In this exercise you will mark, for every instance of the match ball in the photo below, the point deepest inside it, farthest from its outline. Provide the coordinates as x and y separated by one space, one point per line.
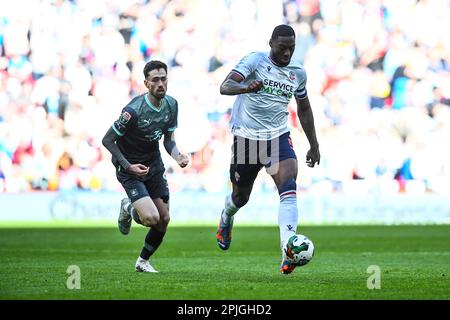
299 250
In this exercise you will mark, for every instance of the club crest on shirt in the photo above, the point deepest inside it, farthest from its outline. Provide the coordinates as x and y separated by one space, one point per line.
124 118
291 75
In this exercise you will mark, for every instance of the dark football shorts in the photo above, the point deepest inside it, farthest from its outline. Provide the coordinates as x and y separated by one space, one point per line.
153 185
249 156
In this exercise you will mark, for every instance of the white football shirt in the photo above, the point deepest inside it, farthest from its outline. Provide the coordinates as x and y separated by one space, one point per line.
264 115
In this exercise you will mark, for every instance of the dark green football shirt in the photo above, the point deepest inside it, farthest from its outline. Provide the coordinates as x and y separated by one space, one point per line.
141 125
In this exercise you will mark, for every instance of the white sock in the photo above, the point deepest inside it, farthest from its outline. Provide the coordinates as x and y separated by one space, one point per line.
287 217
230 209
141 260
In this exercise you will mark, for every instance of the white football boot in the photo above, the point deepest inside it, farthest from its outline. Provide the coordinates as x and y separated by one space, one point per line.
144 266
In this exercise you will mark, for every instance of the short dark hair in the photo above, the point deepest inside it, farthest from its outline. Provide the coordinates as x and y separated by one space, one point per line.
283 30
152 65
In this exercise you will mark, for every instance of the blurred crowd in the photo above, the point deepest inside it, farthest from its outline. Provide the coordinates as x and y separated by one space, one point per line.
378 81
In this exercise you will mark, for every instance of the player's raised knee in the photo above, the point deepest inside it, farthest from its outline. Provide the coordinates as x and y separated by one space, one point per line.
165 220
241 200
150 221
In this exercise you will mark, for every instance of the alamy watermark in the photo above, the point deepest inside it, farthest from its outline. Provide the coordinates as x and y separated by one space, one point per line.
263 152
374 280
74 279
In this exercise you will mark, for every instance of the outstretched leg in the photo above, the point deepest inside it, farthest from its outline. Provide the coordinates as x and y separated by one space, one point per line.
244 169
285 180
238 198
157 232
148 214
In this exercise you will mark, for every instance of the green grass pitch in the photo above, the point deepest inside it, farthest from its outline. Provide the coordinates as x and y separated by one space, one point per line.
414 263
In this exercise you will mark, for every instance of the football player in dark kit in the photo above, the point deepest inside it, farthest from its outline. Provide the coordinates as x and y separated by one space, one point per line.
133 141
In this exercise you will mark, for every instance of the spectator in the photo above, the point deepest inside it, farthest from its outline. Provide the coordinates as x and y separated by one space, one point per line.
378 81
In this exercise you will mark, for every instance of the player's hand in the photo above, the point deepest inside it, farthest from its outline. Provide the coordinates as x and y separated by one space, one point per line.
313 156
182 160
254 86
138 169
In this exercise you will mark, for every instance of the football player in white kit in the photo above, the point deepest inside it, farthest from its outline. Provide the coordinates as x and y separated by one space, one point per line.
264 83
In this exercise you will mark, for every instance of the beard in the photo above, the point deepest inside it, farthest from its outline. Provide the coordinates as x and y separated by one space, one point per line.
159 94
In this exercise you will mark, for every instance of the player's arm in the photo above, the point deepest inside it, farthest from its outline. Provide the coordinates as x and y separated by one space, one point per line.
171 147
109 141
233 85
305 115
118 129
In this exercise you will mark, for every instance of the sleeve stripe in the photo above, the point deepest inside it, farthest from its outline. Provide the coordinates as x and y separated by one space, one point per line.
117 131
301 94
171 129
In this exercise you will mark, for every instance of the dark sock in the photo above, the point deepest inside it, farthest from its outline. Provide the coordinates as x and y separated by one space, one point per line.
152 242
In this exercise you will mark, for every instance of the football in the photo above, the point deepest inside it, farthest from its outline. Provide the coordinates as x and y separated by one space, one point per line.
299 250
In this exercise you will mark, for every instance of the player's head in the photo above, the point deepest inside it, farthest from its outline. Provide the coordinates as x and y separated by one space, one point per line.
155 73
282 44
